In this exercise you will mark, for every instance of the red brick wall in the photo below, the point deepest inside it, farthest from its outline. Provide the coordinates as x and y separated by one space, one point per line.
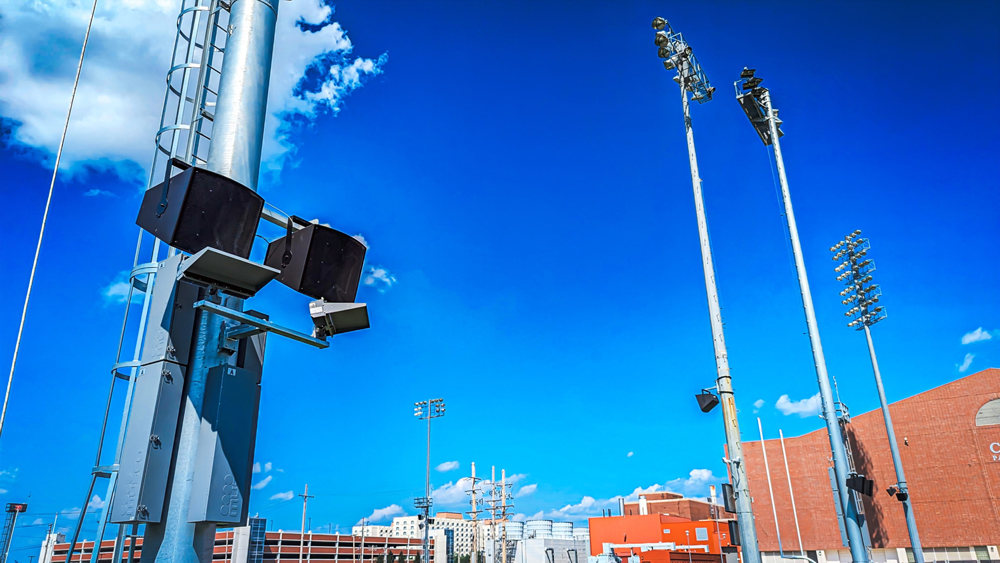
954 481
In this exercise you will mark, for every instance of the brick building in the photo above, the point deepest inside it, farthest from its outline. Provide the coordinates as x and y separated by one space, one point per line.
674 504
949 440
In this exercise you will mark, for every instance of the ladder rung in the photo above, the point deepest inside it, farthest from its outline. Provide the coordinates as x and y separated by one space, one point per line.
208 115
203 135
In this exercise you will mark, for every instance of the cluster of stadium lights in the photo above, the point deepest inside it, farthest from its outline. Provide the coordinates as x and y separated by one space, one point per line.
677 54
855 271
434 408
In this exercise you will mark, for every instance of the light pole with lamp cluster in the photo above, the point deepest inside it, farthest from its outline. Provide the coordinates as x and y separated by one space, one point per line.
427 410
862 297
756 103
677 55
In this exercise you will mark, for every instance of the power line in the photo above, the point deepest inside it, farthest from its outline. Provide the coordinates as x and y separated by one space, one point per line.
45 217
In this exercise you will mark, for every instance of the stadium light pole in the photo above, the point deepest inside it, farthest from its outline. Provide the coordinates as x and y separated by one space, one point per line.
756 103
427 410
862 296
677 55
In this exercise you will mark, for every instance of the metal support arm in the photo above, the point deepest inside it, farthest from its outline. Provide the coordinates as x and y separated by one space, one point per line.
252 325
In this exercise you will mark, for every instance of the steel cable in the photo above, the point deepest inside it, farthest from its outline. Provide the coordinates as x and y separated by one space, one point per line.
45 217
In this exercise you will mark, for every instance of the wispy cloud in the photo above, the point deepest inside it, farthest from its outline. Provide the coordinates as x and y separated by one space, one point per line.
94 192
116 292
95 503
447 466
313 70
256 467
526 490
965 363
757 404
804 407
287 495
977 335
263 483
452 492
380 278
383 514
630 454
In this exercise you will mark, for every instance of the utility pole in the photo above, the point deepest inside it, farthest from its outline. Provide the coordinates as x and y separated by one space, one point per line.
756 103
862 297
677 55
427 410
474 513
305 501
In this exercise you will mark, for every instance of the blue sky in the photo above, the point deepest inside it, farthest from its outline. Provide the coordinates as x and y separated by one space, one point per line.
519 170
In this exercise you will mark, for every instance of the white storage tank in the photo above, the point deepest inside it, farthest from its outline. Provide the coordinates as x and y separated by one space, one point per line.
562 530
538 529
581 534
515 530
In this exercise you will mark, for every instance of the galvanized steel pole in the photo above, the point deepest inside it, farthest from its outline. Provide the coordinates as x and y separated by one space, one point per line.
897 461
857 545
744 509
237 138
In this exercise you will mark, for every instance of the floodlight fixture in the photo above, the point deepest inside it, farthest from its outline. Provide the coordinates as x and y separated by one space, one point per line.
659 23
662 40
747 73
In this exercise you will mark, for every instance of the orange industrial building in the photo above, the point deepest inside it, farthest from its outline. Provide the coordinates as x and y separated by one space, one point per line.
661 538
949 441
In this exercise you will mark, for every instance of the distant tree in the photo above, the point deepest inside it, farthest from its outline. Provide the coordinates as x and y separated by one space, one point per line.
392 558
416 559
465 559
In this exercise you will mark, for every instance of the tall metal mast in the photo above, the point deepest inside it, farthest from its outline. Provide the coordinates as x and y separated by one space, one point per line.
427 410
677 55
756 102
862 296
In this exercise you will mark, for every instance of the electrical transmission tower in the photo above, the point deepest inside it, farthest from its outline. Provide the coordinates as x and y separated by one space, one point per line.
498 508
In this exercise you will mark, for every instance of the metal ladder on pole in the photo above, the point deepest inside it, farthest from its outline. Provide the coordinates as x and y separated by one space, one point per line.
184 135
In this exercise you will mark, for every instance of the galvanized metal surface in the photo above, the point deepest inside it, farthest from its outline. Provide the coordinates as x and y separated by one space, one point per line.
841 466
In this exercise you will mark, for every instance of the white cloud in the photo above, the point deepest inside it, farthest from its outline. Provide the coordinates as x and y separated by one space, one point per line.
452 492
511 479
977 335
382 514
757 404
256 467
965 363
447 466
360 238
630 454
95 503
380 278
696 483
526 490
37 522
116 292
121 89
804 407
3 491
287 495
70 513
263 483
267 467
96 192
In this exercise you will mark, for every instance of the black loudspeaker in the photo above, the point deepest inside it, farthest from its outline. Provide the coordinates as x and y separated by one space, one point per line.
198 209
728 498
734 532
706 401
318 261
